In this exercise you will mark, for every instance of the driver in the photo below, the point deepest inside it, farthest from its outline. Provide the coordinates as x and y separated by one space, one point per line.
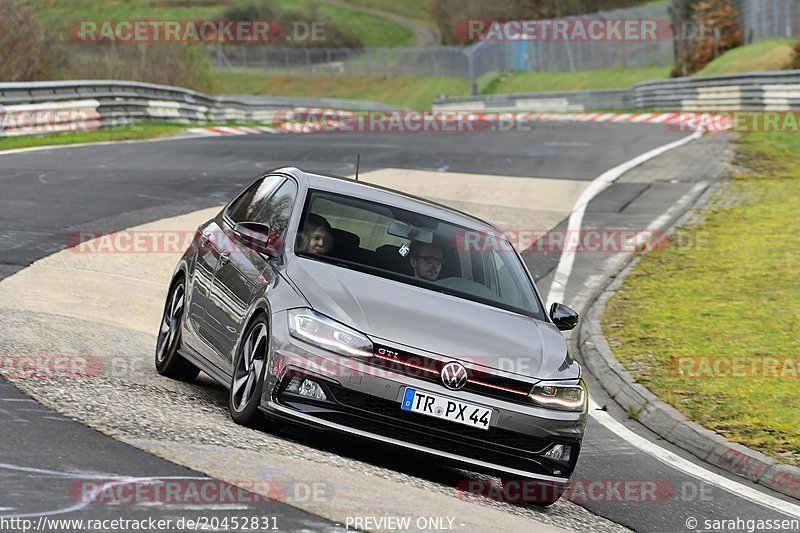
426 260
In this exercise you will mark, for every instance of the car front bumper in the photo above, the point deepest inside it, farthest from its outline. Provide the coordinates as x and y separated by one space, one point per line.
364 401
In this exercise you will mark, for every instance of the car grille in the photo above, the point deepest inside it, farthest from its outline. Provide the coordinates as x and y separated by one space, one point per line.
386 418
429 369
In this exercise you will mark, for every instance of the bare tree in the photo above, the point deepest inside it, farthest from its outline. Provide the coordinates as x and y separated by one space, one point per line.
26 54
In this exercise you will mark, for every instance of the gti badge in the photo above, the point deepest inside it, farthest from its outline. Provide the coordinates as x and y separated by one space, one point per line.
454 376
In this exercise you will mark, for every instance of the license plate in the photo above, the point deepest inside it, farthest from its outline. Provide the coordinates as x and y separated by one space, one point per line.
437 406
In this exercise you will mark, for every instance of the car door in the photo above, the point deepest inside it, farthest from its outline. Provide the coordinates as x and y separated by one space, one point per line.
200 283
242 271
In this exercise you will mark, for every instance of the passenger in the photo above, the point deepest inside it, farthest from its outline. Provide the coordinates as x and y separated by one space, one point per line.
319 237
426 260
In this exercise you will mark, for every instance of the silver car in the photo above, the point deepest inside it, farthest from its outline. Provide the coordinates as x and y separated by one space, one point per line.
348 307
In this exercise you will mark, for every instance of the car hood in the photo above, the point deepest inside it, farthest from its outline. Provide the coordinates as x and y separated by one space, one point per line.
414 317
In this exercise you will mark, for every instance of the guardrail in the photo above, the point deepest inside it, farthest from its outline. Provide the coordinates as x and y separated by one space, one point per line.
752 91
49 107
547 102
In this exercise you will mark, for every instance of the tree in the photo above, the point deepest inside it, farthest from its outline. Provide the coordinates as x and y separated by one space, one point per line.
702 30
682 15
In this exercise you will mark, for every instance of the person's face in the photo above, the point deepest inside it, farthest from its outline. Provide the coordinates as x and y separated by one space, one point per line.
320 241
428 263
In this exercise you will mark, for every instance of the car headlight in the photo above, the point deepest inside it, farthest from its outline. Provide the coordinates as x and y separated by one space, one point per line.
319 330
564 396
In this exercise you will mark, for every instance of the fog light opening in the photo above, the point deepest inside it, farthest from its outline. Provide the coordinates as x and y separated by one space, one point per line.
559 452
306 387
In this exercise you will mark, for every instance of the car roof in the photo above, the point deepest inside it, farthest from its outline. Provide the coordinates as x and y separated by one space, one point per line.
370 191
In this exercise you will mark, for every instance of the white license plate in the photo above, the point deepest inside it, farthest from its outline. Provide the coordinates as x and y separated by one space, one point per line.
429 404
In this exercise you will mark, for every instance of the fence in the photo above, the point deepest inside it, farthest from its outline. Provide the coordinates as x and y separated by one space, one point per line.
768 19
478 63
448 61
473 62
754 91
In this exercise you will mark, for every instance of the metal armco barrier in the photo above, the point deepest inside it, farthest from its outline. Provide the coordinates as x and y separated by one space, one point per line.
574 101
752 91
58 106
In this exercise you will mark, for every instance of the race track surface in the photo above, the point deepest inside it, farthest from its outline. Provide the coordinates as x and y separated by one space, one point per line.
50 194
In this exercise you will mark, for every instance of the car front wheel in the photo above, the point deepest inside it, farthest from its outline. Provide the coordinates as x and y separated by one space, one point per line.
169 362
248 375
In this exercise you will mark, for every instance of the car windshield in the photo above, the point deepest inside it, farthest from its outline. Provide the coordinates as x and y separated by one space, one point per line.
397 244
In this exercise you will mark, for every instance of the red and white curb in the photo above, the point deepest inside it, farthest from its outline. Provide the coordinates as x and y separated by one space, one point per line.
214 131
687 121
305 120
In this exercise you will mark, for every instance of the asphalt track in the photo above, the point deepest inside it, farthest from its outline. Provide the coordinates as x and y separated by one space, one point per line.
48 194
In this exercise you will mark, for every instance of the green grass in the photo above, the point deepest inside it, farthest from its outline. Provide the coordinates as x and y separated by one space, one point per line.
61 12
735 295
416 92
139 130
413 9
772 54
374 30
612 78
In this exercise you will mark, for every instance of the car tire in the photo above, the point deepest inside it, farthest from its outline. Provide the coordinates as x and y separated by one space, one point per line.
169 362
247 380
531 492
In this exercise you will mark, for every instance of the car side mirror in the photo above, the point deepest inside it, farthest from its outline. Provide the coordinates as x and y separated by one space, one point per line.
257 237
563 317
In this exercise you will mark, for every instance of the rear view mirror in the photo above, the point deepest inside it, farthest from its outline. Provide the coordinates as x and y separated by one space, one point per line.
563 317
412 233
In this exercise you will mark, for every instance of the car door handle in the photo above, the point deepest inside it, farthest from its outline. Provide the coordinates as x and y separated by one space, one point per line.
224 258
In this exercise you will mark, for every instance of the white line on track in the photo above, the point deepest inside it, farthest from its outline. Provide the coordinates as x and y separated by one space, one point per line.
557 293
598 185
679 463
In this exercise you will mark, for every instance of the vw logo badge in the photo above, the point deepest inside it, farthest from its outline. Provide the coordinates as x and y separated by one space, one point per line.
454 376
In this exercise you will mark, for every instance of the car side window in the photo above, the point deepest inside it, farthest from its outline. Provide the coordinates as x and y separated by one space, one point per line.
249 204
278 209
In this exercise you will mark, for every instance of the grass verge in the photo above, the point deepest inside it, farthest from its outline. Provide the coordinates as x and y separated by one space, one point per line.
416 92
772 54
610 78
140 130
413 9
712 328
374 30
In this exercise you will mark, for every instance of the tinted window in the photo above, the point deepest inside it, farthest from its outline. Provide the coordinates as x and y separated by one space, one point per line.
278 209
394 243
245 208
